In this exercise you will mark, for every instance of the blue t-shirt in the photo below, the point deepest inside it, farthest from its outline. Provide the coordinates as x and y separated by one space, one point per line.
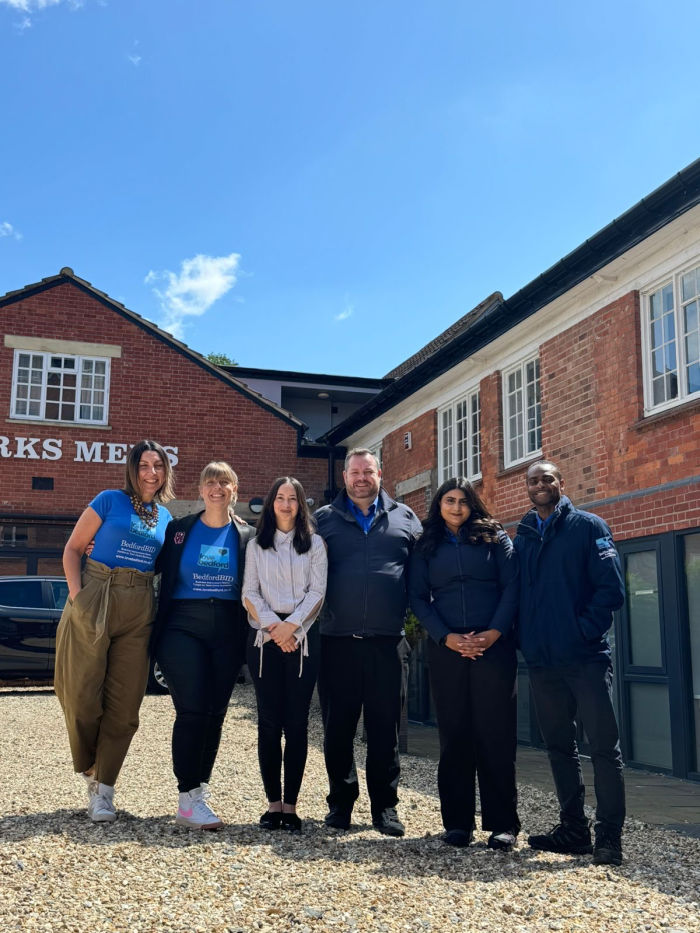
122 539
209 564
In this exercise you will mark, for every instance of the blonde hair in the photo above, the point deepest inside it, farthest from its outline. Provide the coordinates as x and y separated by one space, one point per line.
218 469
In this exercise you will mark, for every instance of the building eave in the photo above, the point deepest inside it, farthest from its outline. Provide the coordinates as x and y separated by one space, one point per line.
658 209
67 276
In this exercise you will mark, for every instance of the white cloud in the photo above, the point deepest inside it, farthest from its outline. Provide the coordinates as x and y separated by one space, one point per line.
36 6
134 56
345 313
6 229
201 281
31 6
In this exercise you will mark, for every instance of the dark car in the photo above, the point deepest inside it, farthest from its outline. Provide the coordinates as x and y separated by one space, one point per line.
30 609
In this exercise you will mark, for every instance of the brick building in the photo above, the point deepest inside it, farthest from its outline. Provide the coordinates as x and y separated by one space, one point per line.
81 378
596 365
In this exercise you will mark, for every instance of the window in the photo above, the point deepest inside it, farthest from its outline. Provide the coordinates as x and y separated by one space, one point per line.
21 594
60 387
59 588
459 426
522 413
672 341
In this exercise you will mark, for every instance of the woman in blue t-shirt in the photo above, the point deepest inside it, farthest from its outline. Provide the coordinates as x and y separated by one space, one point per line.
103 636
199 635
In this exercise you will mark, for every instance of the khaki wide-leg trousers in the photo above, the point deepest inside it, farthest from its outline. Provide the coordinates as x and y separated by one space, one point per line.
102 665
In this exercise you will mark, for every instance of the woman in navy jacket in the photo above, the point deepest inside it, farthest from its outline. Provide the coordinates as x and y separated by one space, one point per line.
463 589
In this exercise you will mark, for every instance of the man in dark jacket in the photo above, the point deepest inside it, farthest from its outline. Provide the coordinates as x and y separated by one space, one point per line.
363 652
570 583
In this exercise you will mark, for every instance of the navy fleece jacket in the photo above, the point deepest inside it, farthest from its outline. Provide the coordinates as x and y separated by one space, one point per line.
464 587
366 591
570 584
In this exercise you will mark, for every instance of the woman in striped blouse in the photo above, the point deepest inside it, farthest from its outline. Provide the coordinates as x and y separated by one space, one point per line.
283 590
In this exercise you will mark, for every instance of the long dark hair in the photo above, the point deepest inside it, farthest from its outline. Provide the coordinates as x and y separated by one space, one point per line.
303 524
479 527
131 481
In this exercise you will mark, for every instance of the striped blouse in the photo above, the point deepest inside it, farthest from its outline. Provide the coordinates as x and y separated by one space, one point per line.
278 580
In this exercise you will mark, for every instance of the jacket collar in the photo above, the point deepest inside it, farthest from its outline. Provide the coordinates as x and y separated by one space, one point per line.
529 519
385 504
187 522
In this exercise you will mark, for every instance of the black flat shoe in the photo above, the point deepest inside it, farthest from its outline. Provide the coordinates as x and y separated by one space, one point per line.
338 818
271 820
291 822
503 841
459 838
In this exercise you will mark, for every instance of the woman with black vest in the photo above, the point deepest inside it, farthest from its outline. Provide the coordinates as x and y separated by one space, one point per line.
463 589
199 636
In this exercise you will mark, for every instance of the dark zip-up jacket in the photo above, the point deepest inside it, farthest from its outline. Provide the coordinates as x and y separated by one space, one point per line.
366 592
463 587
168 565
570 584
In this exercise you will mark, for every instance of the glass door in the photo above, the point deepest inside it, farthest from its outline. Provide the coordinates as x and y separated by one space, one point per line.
645 711
691 571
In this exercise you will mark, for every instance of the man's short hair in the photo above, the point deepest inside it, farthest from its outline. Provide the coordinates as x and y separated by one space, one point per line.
360 452
549 463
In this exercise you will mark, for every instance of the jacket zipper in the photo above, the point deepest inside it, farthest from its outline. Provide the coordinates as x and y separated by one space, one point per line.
461 588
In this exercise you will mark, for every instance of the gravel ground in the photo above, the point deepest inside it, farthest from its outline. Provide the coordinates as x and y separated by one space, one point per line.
60 872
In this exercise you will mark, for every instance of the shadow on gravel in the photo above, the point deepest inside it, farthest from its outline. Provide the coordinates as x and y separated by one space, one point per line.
423 857
397 857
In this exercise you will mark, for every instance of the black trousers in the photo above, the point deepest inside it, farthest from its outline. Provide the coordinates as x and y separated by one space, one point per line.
562 694
475 702
283 699
369 674
200 656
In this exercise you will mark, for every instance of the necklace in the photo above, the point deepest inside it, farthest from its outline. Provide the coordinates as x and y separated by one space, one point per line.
148 516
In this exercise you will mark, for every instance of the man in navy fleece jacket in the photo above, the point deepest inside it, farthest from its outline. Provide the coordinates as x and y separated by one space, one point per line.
570 584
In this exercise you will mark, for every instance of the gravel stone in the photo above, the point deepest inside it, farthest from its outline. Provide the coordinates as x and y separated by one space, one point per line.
60 873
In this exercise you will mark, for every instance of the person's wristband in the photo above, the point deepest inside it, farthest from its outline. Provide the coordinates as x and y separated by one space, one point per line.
443 641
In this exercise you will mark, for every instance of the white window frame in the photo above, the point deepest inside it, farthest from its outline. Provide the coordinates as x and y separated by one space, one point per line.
518 406
460 411
673 283
45 358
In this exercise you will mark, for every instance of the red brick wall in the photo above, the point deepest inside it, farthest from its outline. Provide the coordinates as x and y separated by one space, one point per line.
400 464
155 392
592 426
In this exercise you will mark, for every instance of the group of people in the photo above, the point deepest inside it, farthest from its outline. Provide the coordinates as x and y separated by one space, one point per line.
231 594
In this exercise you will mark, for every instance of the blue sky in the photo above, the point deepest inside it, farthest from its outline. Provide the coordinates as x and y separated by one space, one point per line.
326 186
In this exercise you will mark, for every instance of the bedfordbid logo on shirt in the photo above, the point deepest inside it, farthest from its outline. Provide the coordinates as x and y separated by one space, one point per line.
211 556
139 529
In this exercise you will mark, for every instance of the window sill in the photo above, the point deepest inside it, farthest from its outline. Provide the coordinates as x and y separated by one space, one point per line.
683 408
60 424
516 467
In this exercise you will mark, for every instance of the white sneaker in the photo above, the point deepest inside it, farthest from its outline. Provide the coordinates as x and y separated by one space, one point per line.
194 811
101 803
